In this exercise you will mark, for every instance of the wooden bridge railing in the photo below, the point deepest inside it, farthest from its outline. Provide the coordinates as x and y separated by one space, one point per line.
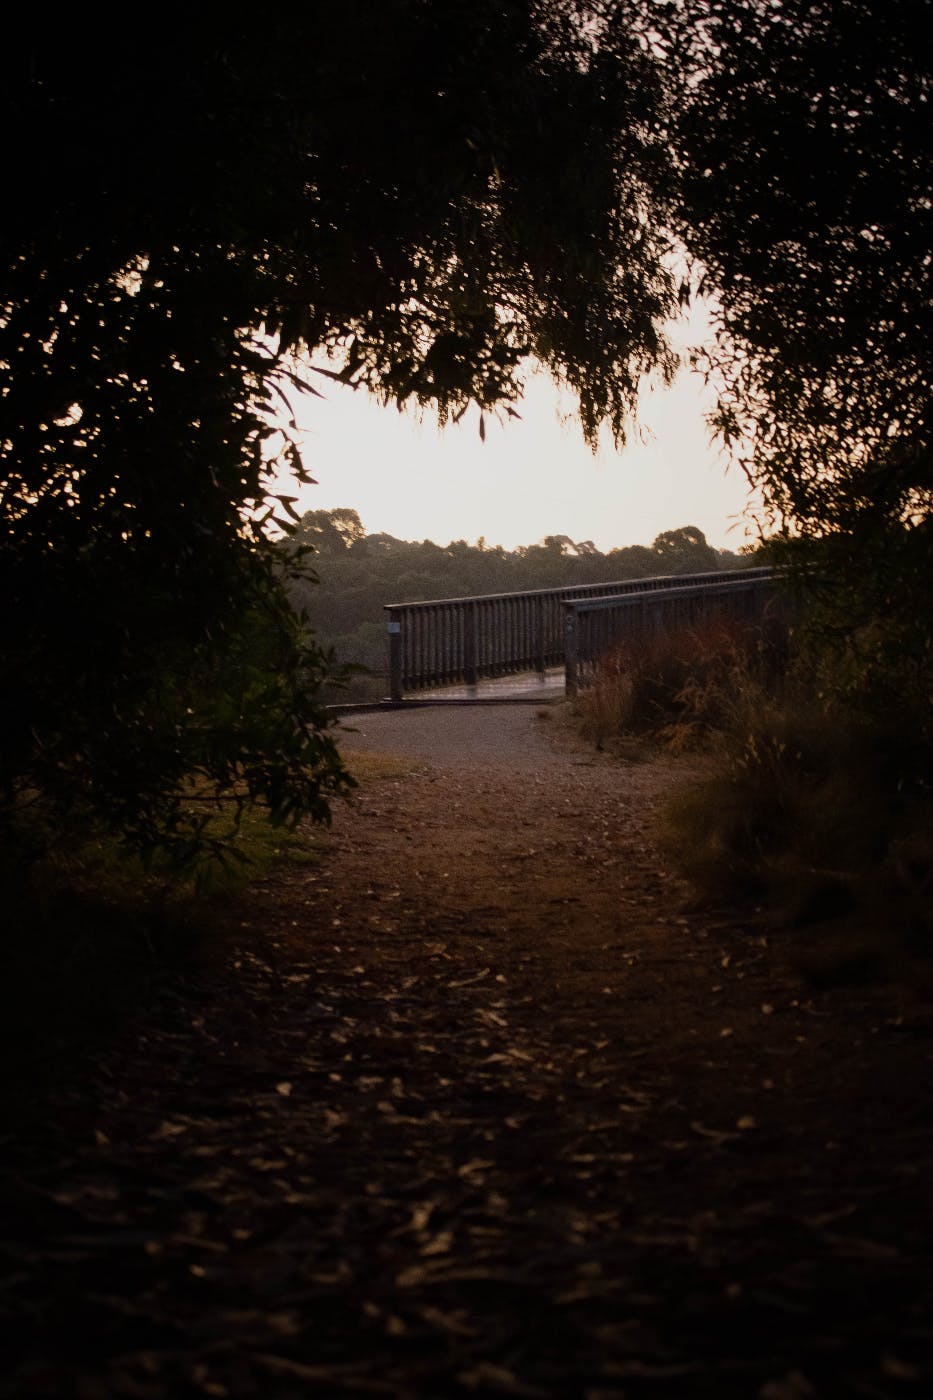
592 627
458 641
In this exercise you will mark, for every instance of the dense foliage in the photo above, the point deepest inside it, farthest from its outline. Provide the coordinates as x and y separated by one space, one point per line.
422 196
801 133
807 197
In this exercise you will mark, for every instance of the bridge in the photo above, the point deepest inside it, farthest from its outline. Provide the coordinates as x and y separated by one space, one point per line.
461 641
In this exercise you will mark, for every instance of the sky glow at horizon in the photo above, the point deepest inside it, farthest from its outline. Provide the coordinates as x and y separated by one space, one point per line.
531 477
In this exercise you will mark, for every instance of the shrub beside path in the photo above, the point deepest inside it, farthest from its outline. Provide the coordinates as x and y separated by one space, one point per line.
479 1105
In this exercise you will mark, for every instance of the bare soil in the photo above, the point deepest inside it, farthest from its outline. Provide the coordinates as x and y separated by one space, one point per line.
481 1104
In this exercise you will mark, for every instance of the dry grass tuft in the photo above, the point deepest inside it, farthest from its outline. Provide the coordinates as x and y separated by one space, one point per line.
678 687
821 816
823 821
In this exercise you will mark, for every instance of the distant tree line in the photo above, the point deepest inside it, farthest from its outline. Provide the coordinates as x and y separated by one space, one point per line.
359 573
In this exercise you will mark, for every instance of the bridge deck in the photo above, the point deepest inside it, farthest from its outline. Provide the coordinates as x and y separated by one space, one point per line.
530 686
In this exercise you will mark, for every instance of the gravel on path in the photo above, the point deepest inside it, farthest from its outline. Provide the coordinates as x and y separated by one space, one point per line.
511 736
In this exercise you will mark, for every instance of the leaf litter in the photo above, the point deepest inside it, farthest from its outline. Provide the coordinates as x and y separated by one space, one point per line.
437 1160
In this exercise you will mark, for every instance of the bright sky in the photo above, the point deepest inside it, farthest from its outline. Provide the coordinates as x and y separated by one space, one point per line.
530 478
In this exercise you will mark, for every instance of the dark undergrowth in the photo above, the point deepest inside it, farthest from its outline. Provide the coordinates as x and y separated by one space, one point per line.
817 812
92 932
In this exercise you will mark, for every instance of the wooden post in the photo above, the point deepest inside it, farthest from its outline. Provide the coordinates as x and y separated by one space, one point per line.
570 649
395 656
470 673
540 642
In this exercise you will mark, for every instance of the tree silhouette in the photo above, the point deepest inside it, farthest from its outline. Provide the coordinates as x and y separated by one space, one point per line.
684 551
420 196
806 185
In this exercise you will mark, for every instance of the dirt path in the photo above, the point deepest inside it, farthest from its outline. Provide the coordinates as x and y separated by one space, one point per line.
476 1106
